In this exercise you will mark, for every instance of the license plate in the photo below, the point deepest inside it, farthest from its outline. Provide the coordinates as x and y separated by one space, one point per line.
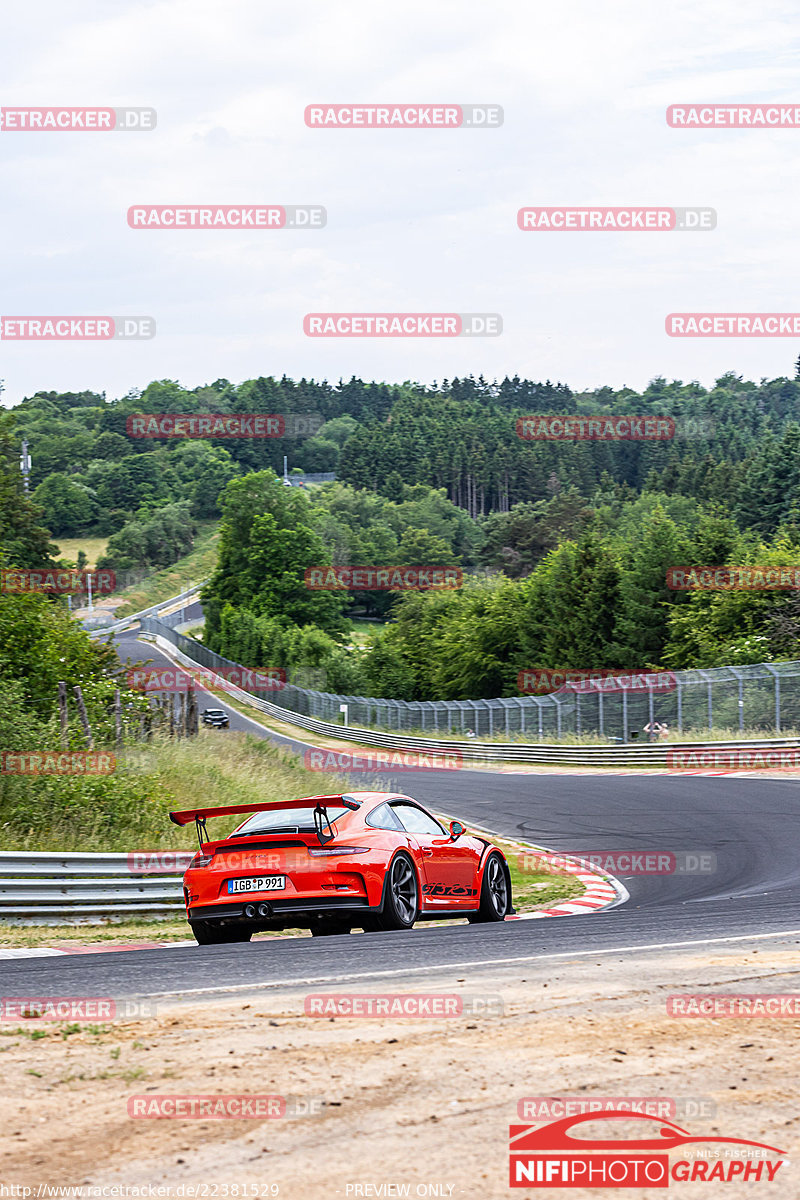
257 883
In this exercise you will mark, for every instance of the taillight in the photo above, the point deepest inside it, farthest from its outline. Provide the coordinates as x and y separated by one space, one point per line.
200 860
338 850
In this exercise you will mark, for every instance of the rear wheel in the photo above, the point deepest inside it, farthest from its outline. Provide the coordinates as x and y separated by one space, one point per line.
495 892
400 895
206 933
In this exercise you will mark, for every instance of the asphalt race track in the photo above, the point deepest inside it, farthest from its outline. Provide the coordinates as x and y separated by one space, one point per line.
750 825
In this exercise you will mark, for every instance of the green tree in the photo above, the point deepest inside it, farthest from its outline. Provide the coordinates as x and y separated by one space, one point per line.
69 507
24 541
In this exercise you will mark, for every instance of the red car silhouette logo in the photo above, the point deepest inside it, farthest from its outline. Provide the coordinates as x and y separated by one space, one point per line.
553 1156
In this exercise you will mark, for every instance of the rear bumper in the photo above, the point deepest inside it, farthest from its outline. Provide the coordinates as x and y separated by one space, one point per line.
279 911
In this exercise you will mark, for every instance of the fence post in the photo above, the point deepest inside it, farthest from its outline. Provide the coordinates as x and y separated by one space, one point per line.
87 729
777 679
624 714
118 717
62 712
710 708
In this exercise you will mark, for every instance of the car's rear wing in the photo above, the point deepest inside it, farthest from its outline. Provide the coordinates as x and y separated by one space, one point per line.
318 803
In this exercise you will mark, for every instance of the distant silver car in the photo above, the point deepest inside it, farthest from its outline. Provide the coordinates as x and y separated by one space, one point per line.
215 717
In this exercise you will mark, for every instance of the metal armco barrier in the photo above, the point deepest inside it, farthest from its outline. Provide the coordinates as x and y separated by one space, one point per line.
125 622
761 696
37 887
646 755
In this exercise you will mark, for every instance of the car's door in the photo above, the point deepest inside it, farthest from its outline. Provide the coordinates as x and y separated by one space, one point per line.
449 867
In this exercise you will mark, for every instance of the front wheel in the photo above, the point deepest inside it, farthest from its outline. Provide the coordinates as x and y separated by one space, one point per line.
206 933
495 892
400 895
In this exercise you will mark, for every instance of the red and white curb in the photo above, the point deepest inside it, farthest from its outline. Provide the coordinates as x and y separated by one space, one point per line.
600 891
98 948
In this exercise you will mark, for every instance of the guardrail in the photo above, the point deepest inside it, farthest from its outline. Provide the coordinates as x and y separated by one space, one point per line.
647 755
125 622
37 888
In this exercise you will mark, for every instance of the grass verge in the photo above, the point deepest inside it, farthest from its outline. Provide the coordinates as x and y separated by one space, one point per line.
161 585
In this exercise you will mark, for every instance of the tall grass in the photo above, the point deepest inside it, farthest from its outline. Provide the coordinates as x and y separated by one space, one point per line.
129 809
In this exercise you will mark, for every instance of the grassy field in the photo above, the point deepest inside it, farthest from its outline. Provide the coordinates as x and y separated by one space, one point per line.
213 768
363 631
93 548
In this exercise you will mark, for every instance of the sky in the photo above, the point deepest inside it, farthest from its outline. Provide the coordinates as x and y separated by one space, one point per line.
418 220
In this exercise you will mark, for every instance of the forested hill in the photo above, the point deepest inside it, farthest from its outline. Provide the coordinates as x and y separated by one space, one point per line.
566 545
459 435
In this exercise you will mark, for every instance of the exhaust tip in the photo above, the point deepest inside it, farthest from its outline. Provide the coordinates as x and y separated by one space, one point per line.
249 911
265 910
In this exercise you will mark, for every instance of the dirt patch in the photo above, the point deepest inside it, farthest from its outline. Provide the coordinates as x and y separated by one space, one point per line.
400 1100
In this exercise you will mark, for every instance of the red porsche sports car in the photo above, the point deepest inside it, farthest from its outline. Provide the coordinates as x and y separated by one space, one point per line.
368 860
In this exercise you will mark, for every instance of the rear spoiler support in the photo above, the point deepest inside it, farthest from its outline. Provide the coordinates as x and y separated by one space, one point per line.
202 832
320 815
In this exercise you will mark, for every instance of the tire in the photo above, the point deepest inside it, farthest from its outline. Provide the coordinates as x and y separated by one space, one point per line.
495 892
400 907
206 934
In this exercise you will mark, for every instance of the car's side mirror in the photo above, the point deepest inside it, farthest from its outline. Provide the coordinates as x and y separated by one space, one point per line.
456 830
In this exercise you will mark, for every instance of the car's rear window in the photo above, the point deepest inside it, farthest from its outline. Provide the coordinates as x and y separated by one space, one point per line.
286 820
